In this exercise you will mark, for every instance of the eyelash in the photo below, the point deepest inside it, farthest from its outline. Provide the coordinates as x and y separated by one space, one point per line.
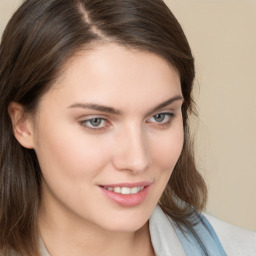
167 115
88 125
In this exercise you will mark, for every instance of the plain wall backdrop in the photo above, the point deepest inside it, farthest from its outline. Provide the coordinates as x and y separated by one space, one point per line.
222 35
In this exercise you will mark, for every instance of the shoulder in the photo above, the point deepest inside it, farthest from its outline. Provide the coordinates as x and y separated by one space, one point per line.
236 241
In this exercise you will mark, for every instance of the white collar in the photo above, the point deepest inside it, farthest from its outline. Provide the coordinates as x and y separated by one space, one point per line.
163 236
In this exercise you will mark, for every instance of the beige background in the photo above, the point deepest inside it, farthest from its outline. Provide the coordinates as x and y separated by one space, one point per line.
222 34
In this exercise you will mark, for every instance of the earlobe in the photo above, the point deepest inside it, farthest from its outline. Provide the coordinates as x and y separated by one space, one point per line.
22 125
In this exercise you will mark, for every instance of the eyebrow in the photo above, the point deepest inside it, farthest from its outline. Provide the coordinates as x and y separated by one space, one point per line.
166 103
111 110
97 107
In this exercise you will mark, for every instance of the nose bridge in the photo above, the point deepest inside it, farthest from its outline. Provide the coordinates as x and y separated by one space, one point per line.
132 152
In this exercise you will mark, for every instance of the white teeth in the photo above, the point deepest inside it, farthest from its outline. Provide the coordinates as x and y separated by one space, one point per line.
135 190
117 190
125 190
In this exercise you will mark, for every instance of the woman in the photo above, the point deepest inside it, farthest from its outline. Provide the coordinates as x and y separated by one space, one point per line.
95 150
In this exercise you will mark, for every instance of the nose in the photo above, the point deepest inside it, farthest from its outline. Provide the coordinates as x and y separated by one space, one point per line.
131 151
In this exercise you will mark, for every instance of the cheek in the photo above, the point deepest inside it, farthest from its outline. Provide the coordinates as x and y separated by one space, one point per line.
64 152
166 149
165 152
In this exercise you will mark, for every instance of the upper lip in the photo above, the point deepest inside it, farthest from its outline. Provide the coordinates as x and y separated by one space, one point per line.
128 184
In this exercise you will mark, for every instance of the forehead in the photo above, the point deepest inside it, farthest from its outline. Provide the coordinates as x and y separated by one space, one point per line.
117 75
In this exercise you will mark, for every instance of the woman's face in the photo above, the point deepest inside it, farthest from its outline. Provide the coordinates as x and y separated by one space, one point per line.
107 136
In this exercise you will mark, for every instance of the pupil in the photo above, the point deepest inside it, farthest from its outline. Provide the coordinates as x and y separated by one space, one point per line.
159 117
96 121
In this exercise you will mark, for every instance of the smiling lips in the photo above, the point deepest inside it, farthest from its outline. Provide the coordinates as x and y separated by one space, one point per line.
126 194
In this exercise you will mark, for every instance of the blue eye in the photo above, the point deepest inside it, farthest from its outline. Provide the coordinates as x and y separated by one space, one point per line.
161 118
94 123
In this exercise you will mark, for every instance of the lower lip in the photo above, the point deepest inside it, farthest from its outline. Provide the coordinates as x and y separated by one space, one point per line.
127 200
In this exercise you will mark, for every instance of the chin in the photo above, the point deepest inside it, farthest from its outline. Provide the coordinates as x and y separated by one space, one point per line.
126 222
127 227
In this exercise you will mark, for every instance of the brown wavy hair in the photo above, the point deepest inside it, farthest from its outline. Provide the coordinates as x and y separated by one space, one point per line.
39 39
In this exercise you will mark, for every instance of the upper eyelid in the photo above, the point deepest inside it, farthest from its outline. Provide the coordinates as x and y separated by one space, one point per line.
167 111
171 112
103 117
175 106
96 117
106 118
92 116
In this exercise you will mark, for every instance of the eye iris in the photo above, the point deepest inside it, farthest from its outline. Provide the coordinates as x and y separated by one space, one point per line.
95 122
159 117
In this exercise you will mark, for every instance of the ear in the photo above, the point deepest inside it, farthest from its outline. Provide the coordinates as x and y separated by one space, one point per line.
22 125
